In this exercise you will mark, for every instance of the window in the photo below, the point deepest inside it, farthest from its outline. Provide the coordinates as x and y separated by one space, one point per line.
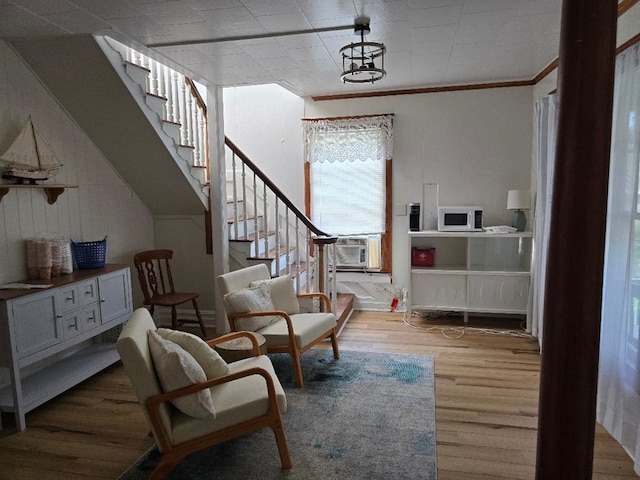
348 166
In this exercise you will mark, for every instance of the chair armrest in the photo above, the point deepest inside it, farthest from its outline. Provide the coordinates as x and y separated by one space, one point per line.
153 403
323 296
255 348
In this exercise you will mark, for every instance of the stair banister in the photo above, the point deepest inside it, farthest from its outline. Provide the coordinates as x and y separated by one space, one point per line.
274 188
318 237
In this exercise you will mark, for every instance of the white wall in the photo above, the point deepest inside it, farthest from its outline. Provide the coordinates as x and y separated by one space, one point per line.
476 145
264 122
103 204
191 267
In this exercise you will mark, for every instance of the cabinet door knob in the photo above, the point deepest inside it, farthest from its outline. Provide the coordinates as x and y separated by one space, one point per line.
102 300
73 325
58 316
69 299
89 318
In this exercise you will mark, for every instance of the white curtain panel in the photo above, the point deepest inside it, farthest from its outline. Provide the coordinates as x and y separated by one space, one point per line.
544 151
347 160
619 372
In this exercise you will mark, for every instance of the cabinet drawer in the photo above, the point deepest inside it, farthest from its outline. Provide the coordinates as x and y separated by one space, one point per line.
508 293
71 325
90 317
439 291
68 298
88 292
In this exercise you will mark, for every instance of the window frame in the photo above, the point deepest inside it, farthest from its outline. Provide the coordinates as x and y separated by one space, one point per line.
386 236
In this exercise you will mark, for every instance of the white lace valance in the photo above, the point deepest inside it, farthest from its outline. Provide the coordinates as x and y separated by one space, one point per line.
348 139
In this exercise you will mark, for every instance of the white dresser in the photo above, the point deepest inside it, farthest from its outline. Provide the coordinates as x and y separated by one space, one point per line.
52 339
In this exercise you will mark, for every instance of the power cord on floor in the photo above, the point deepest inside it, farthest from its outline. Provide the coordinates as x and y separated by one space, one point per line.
454 333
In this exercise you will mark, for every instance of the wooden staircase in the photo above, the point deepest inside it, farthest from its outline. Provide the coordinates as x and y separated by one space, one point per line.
265 227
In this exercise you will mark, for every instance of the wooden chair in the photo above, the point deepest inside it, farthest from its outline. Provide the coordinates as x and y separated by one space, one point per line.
156 281
247 399
292 333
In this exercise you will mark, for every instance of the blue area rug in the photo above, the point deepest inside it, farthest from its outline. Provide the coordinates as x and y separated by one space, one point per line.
365 416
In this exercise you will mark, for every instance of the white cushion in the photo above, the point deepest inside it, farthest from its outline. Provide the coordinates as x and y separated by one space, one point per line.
254 299
176 369
307 327
211 362
236 401
282 292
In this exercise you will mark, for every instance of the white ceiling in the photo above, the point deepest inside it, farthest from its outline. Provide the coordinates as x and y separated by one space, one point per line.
429 42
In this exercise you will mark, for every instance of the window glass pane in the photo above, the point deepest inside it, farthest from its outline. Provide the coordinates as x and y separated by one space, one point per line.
348 198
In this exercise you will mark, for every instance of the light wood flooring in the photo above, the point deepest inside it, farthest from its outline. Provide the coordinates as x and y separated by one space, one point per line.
486 409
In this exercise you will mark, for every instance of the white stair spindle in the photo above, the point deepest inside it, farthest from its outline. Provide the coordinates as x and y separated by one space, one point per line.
161 84
166 74
153 77
175 95
287 240
276 229
256 241
202 135
184 118
265 221
245 221
196 137
191 116
234 186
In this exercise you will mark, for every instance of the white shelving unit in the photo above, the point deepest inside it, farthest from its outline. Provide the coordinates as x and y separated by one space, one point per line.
472 272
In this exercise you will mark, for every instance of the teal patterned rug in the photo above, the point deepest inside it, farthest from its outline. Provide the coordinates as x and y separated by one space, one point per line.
366 416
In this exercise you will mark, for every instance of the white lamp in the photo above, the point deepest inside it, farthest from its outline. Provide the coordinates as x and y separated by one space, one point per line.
519 200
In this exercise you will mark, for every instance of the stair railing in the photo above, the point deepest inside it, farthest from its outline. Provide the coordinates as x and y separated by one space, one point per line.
255 200
184 105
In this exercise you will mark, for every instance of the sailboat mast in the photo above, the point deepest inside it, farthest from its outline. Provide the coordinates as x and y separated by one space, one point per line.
33 133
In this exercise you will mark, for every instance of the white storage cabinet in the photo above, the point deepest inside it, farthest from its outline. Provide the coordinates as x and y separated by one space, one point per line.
472 272
51 339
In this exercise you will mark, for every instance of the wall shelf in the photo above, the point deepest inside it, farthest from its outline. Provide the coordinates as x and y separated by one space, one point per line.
52 191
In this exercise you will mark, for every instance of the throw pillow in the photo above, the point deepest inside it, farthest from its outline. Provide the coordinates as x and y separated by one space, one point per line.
253 299
282 292
176 369
211 362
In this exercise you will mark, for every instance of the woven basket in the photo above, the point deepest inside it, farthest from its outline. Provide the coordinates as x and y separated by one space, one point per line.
90 254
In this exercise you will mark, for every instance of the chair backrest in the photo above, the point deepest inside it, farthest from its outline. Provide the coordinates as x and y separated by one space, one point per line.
238 279
154 272
133 347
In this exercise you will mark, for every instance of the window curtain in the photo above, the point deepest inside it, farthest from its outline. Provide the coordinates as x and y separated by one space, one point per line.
347 158
544 152
618 404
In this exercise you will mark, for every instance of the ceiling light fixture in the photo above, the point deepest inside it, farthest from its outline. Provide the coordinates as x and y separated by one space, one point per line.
359 58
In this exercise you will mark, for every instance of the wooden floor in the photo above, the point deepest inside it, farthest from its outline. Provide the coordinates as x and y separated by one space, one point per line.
486 407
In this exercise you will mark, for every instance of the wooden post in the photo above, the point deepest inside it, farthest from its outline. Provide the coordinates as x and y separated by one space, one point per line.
566 424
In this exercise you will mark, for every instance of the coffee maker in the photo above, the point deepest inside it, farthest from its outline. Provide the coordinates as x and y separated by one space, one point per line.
414 217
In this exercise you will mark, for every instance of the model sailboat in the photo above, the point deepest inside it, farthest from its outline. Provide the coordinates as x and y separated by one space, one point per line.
29 158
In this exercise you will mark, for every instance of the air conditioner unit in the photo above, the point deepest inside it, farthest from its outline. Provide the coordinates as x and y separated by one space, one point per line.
350 255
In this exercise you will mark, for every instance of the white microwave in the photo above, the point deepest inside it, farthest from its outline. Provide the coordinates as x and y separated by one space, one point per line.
460 219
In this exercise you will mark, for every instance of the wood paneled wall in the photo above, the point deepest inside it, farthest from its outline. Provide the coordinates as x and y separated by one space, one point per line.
103 204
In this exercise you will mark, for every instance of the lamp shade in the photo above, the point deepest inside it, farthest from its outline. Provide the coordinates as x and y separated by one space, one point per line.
519 200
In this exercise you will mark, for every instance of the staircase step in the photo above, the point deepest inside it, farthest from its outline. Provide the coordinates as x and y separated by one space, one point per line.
137 73
261 235
172 129
156 103
344 309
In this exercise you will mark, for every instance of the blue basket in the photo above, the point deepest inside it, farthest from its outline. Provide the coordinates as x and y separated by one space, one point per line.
90 254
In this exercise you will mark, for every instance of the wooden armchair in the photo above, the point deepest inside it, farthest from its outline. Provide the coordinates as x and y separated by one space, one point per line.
241 407
283 324
156 282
